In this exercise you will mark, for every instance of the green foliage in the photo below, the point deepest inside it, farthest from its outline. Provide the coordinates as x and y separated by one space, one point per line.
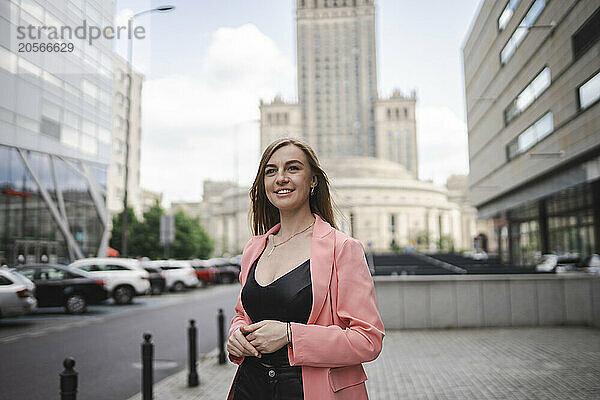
445 243
147 236
116 238
191 240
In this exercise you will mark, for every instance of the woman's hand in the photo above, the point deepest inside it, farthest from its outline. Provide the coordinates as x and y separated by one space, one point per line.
238 345
266 336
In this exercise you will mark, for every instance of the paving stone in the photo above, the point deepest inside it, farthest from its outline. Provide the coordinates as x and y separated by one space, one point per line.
455 364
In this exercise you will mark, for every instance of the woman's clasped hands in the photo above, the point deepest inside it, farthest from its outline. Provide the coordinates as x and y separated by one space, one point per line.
263 337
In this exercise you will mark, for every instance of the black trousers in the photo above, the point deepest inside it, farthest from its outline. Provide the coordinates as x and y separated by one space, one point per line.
255 381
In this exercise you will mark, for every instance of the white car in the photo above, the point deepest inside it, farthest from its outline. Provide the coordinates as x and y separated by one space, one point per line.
547 263
15 297
123 277
178 274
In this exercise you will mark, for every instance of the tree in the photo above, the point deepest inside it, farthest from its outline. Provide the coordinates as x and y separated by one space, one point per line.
116 239
191 241
147 235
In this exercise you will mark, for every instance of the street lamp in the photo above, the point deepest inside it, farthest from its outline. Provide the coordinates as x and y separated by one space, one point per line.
125 221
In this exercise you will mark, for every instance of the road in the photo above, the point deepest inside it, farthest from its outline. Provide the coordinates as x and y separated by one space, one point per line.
105 344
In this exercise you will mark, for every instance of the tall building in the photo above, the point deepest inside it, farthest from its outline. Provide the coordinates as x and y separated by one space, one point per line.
55 135
532 86
121 118
367 144
338 110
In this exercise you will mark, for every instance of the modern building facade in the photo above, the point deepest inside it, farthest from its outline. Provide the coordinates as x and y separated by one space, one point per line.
532 83
121 118
55 136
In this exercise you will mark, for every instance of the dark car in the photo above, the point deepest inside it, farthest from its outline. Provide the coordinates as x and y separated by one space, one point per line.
156 278
58 285
227 272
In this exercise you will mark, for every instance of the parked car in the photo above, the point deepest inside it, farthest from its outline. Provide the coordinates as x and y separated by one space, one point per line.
15 297
156 277
61 286
179 275
590 264
124 277
228 273
564 262
547 263
477 254
204 272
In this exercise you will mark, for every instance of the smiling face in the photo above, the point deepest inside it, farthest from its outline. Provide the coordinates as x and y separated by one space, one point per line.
288 178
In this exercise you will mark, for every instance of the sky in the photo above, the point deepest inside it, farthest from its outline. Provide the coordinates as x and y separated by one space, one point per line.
207 64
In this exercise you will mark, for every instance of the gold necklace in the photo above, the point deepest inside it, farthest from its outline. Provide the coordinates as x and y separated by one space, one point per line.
288 239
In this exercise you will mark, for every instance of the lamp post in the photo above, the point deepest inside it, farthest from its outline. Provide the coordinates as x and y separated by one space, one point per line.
125 219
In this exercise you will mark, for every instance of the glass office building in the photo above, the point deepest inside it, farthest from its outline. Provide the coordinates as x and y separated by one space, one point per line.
55 134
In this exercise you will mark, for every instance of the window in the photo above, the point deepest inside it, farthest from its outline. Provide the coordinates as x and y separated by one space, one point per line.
88 144
587 35
112 267
4 281
8 60
90 268
28 273
51 111
589 92
69 136
539 84
53 274
530 136
521 31
507 13
104 135
71 119
50 128
89 89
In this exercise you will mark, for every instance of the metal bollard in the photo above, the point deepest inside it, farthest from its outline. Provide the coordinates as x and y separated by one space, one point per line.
193 374
147 367
68 380
221 323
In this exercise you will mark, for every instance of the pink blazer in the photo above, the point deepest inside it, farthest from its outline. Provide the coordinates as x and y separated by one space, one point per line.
344 328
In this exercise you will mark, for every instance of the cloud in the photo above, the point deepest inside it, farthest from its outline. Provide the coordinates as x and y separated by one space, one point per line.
190 121
442 143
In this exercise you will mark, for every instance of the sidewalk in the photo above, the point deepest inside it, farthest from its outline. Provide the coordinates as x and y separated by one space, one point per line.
491 363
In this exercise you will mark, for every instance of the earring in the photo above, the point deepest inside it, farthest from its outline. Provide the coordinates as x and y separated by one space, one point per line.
312 190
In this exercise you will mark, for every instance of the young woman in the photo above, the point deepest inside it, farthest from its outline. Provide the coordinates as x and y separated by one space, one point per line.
307 315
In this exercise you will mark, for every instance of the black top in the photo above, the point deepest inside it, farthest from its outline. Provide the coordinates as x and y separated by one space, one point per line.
287 299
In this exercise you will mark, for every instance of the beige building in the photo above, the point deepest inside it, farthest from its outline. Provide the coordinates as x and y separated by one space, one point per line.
367 144
149 199
532 86
116 170
382 205
223 212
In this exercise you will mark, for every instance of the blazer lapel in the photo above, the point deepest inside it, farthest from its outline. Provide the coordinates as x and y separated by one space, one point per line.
256 248
321 263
